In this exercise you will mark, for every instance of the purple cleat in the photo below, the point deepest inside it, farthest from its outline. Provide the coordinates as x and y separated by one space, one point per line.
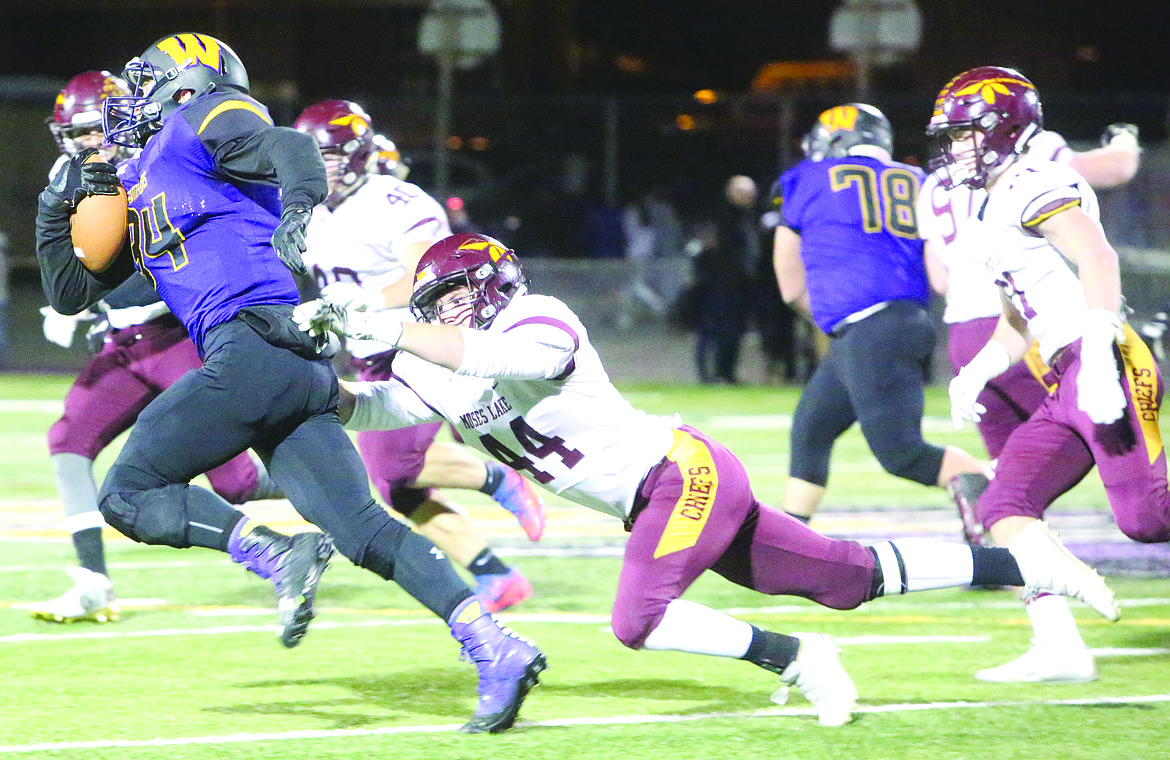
517 495
294 565
508 665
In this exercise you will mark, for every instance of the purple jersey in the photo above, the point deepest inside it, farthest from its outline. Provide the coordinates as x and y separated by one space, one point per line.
858 233
201 234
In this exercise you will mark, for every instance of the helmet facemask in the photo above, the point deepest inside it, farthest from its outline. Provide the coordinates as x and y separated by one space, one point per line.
487 273
173 65
990 114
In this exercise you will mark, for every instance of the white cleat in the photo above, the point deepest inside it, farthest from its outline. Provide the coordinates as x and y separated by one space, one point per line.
91 599
1049 567
817 672
1045 663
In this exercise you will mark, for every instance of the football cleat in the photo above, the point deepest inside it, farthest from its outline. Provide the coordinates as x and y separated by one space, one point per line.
817 672
508 666
965 489
517 495
90 599
1048 566
499 592
294 565
1045 663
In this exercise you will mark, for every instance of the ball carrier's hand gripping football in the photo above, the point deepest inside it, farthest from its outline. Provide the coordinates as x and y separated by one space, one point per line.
88 189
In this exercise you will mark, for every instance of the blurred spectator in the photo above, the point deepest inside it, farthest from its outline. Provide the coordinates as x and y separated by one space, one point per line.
724 271
3 300
458 217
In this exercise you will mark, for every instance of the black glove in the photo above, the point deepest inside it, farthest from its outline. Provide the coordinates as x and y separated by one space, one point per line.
76 180
289 238
1113 130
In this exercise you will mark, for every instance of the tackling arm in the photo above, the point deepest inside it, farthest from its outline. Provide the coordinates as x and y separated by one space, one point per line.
1114 163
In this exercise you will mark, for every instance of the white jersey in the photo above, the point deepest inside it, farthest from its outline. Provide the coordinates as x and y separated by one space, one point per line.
947 219
1039 281
359 241
557 419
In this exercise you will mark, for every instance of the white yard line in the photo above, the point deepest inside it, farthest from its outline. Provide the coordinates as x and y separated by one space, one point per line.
789 712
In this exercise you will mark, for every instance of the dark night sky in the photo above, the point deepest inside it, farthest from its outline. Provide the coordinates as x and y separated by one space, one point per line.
684 44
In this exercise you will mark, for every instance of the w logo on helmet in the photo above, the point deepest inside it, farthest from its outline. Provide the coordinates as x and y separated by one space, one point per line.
189 48
354 121
840 117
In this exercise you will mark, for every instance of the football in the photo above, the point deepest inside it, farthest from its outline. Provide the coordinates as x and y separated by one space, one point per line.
98 227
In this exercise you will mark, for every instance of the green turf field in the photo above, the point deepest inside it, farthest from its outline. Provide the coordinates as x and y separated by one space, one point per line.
193 669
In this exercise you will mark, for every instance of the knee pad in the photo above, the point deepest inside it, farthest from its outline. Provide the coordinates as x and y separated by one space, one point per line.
157 516
405 500
919 461
810 464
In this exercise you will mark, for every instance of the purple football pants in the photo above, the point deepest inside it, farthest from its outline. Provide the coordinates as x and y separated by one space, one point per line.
394 458
1059 444
695 511
1010 398
134 366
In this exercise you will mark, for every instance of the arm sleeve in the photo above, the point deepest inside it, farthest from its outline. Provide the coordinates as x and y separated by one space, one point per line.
387 405
69 286
534 352
246 146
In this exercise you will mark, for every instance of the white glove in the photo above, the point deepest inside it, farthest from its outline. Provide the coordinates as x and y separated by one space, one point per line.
1099 392
60 328
991 361
320 317
354 296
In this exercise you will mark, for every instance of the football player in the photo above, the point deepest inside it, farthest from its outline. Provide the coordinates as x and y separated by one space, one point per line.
955 245
518 376
141 350
219 201
362 246
847 255
1038 216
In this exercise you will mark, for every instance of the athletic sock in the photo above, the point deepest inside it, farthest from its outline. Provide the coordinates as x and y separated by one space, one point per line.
803 518
771 651
487 563
994 566
90 553
496 473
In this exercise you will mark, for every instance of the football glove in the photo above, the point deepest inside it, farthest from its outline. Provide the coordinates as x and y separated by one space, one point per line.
77 180
991 361
1099 392
289 238
321 317
60 328
1120 131
353 296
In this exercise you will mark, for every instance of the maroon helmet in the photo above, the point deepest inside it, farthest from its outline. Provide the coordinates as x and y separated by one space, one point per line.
486 267
345 136
1000 104
78 110
387 160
